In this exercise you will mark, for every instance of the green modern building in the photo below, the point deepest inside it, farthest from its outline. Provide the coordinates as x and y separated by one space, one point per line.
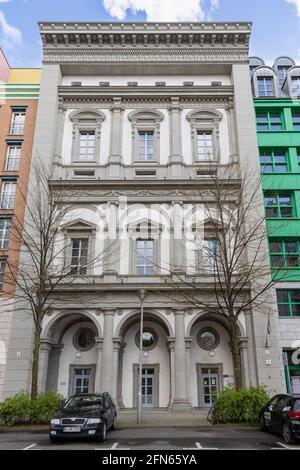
276 93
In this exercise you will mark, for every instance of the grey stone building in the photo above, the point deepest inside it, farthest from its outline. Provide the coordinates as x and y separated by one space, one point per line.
128 115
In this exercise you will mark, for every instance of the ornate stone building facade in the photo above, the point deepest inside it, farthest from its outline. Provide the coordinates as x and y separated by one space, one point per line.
133 119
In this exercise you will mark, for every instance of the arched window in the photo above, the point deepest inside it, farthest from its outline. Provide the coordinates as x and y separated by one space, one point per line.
145 135
86 135
205 135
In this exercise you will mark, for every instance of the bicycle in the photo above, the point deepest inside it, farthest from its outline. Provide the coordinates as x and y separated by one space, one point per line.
212 415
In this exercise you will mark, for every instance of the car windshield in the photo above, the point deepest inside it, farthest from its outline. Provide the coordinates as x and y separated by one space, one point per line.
83 403
297 405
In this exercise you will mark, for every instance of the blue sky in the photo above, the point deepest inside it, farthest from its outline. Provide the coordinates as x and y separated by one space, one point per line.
276 23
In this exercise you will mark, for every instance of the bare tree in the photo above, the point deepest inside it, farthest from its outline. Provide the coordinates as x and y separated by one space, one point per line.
37 267
233 256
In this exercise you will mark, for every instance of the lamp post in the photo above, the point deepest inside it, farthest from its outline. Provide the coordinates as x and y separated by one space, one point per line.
142 295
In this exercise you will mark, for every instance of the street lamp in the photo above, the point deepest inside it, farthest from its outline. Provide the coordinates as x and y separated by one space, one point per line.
142 295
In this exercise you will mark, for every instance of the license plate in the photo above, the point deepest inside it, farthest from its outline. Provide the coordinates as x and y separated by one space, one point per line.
72 429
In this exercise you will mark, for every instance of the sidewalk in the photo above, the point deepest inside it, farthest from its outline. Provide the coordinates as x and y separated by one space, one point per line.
162 419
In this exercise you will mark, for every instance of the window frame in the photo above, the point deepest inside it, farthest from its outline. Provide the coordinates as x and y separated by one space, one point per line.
6 232
280 206
9 206
284 253
146 133
273 154
289 302
296 122
294 79
145 265
264 81
19 126
206 120
79 269
10 146
86 120
145 120
268 121
86 147
3 263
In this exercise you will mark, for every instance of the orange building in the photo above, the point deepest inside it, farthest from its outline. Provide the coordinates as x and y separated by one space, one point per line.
19 92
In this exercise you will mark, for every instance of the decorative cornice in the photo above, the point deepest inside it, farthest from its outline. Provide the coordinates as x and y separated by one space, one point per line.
193 55
144 35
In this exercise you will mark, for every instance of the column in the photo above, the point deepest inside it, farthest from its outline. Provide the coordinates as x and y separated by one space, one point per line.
115 157
177 261
232 133
107 352
252 365
244 361
57 161
188 345
116 354
111 246
120 402
171 344
45 349
99 346
53 368
181 402
176 159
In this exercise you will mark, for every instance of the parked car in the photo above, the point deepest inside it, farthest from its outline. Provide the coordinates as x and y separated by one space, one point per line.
282 415
86 415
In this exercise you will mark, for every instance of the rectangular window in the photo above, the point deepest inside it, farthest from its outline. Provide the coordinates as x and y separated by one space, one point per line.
265 86
274 161
8 195
87 146
282 72
269 121
204 146
79 255
284 253
2 270
296 86
146 146
13 158
144 256
296 121
209 254
17 122
5 226
279 205
288 302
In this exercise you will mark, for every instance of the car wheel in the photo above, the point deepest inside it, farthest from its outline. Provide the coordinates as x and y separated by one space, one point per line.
102 435
262 424
287 434
114 424
53 440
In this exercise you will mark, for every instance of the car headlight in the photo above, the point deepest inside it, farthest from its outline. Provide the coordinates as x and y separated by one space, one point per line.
55 422
94 421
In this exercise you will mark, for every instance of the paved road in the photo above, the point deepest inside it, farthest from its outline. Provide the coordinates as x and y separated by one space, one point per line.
153 439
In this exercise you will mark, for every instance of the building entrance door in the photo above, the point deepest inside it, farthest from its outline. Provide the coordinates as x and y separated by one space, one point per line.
82 381
148 387
210 386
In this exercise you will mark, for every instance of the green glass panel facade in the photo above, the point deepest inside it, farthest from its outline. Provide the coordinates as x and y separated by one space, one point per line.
278 134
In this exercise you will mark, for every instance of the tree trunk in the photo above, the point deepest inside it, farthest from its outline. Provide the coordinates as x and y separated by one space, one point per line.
236 357
35 363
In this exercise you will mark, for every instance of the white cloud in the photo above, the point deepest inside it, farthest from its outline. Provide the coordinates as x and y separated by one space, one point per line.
9 35
296 3
162 10
4 1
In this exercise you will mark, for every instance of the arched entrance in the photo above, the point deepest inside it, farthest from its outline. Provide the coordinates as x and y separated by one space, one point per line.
156 389
69 355
211 359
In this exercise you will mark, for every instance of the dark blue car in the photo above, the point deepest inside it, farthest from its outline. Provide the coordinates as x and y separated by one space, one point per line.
84 416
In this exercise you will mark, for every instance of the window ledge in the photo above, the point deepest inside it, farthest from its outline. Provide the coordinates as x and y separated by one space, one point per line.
84 163
145 162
